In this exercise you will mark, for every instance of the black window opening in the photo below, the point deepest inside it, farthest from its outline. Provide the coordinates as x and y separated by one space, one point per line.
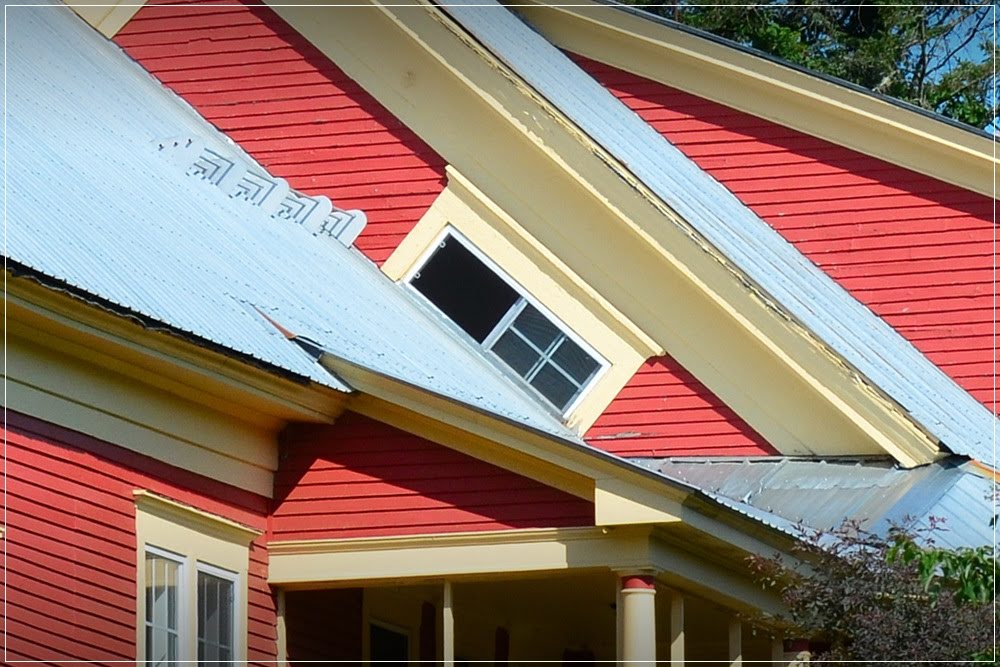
496 316
387 646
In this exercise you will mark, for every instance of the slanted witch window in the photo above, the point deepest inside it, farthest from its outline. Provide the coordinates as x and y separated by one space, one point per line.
486 306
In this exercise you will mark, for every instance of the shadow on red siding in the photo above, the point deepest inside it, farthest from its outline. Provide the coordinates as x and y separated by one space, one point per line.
666 411
363 478
324 626
917 251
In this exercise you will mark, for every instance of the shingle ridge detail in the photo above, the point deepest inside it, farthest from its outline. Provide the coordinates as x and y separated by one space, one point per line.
241 181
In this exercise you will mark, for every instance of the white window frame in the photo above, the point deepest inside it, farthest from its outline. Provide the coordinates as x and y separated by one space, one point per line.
199 542
182 565
505 322
232 577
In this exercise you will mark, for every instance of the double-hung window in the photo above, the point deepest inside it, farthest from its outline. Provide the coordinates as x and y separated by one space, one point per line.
173 605
497 315
192 578
163 606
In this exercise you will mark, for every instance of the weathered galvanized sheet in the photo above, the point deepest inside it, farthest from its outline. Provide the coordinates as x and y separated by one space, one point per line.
824 494
864 340
96 202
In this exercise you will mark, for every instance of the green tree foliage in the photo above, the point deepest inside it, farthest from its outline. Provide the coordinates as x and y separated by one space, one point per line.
937 57
899 599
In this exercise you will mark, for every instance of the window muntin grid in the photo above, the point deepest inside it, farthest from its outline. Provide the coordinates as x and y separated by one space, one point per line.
457 280
164 577
216 606
542 354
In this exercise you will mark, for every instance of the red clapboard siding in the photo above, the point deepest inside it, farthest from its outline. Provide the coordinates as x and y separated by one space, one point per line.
70 543
665 411
917 251
363 478
293 110
324 626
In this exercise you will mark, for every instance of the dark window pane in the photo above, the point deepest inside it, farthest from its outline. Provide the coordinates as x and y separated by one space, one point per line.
215 619
554 386
389 646
536 327
465 289
519 355
571 358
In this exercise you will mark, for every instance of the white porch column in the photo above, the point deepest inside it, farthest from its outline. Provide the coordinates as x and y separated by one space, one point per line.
637 614
448 627
735 642
676 629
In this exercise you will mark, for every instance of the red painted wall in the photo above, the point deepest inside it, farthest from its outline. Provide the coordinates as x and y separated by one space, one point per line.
293 110
70 543
361 478
665 411
917 251
324 626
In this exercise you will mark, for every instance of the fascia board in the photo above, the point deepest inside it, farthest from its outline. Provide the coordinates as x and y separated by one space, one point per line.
165 361
810 104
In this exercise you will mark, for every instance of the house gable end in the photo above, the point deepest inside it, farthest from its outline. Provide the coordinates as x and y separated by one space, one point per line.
292 109
918 252
363 478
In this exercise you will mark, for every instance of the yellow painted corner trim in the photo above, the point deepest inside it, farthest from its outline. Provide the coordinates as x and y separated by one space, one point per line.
615 504
769 90
180 513
107 16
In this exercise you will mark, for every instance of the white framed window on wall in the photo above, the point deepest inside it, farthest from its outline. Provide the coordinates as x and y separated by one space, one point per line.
192 580
503 320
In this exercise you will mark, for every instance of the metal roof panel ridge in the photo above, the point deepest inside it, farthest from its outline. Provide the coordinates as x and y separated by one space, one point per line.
878 352
95 204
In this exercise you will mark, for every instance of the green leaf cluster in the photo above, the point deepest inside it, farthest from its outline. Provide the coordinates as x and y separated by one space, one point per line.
938 57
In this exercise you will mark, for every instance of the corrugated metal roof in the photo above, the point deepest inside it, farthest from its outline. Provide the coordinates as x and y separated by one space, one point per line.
95 203
860 337
824 494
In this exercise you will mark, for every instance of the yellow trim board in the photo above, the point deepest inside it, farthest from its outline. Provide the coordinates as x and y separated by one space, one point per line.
454 555
806 103
509 554
108 17
730 334
101 403
163 361
177 512
569 467
426 418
